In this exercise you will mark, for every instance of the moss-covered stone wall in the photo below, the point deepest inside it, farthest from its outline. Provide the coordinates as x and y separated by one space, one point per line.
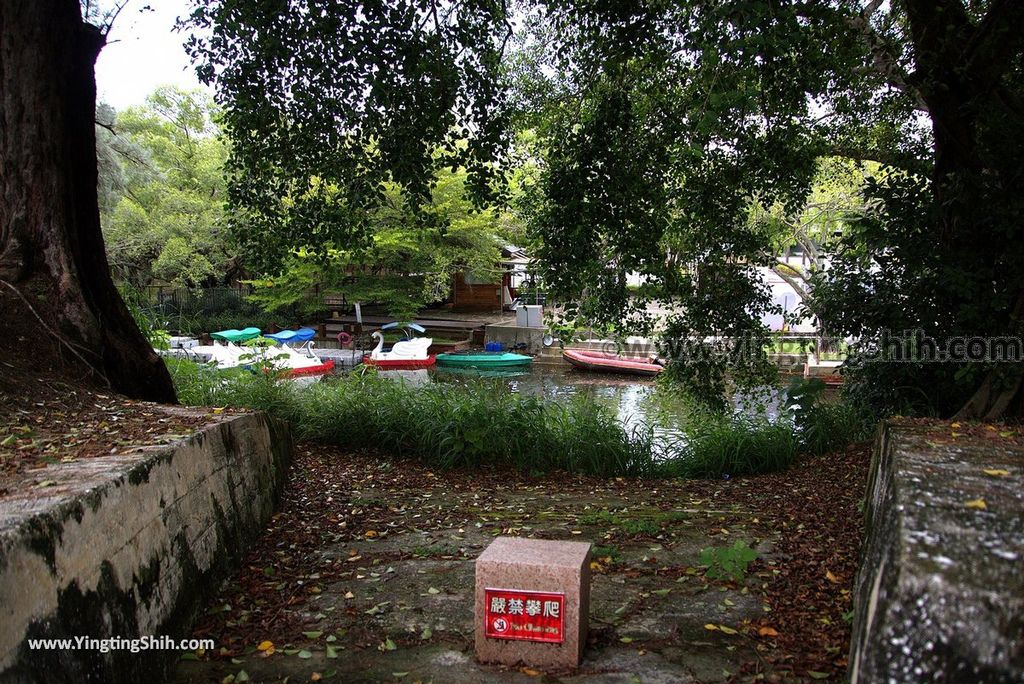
940 592
131 544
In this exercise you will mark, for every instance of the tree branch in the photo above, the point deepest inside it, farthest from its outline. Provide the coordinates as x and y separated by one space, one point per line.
893 158
998 37
785 271
884 61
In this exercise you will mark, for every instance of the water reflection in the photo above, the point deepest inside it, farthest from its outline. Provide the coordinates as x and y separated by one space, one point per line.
411 378
635 401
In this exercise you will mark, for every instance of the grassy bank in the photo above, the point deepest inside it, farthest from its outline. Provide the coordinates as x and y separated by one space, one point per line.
449 426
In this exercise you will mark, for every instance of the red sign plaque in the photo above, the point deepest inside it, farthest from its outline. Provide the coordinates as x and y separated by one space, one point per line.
524 615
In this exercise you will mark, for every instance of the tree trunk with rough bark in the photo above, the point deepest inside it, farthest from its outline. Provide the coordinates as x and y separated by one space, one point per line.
959 68
52 257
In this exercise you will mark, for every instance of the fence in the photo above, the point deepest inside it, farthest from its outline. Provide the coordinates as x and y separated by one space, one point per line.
195 311
205 301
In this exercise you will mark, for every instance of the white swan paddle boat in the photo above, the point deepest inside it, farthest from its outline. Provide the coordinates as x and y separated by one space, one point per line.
282 357
409 354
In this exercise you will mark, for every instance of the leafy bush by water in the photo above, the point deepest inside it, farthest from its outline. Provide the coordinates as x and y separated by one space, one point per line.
475 424
724 446
823 426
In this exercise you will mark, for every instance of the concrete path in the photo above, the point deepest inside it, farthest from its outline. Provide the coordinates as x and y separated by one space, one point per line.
395 602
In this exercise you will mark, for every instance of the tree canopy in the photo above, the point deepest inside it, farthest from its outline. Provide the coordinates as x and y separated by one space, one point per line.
411 261
659 126
325 103
162 192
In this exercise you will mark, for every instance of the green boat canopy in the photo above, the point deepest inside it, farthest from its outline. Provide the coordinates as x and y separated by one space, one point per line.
236 335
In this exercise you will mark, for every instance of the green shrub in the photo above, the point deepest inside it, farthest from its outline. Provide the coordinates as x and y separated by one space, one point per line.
473 424
446 425
728 562
144 316
823 426
715 446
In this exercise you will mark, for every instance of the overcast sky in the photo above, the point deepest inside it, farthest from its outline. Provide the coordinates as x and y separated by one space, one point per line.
147 53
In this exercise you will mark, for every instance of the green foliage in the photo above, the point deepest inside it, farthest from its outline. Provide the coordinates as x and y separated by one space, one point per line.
410 262
716 445
455 425
162 191
610 552
902 292
728 562
825 426
325 104
632 522
662 126
835 204
445 425
657 127
654 154
150 324
803 396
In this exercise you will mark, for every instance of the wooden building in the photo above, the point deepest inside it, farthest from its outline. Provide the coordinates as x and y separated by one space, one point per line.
493 291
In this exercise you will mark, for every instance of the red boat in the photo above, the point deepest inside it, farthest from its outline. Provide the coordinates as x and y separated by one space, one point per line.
325 367
400 364
610 363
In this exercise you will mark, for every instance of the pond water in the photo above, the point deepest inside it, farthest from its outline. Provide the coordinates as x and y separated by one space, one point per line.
635 401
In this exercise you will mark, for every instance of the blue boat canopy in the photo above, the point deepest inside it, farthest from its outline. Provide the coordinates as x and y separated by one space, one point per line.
291 336
396 324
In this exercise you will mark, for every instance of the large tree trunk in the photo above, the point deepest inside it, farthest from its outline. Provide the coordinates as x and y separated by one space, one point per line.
51 246
960 64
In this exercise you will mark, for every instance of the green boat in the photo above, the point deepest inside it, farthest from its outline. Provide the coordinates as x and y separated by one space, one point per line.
477 359
499 372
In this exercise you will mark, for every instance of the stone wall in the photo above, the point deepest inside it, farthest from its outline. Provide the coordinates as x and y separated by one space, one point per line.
940 592
131 544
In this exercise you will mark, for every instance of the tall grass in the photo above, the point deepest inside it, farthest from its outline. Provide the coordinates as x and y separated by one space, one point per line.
446 425
722 446
475 424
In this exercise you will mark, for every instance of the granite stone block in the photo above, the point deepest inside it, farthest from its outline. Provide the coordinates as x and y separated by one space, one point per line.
540 569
